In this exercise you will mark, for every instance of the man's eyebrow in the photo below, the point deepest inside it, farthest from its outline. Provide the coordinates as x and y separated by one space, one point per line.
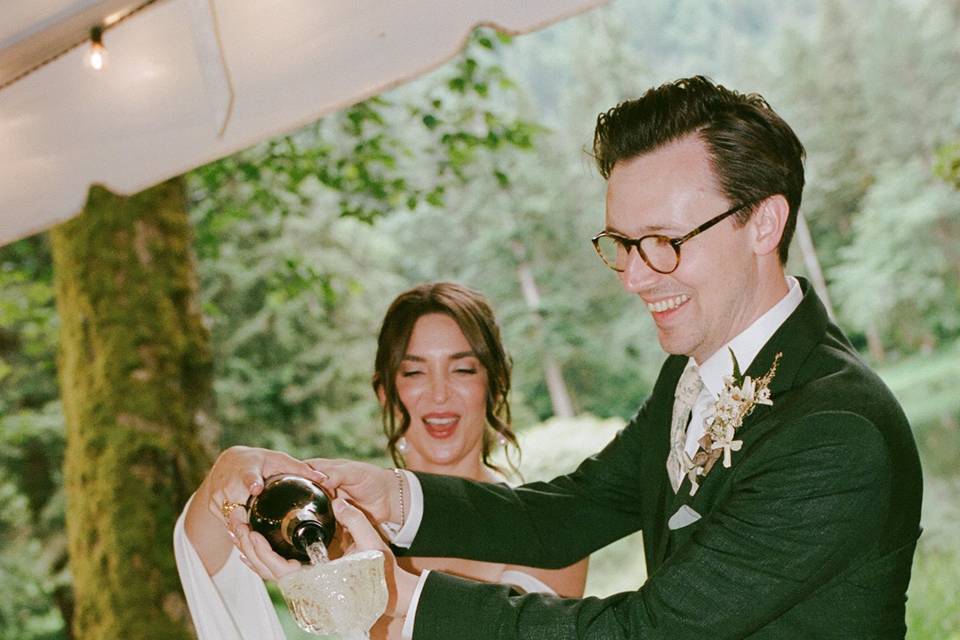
647 230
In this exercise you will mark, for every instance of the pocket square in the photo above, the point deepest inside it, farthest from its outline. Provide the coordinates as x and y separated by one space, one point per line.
683 517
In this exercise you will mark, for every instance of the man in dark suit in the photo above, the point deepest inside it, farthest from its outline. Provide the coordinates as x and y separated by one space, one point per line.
774 476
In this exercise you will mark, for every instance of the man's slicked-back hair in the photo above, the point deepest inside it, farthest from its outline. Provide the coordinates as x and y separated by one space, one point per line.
753 152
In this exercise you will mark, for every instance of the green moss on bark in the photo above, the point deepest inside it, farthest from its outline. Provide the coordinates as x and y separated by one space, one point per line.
135 374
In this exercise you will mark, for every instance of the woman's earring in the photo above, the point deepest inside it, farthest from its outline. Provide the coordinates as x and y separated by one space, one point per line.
402 445
501 439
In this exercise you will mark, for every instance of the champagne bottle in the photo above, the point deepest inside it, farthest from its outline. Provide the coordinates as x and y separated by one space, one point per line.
295 516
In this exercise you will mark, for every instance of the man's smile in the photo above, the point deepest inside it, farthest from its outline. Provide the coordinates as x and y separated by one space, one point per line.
667 304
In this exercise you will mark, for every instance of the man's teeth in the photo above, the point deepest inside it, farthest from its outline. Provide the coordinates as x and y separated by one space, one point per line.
665 305
440 422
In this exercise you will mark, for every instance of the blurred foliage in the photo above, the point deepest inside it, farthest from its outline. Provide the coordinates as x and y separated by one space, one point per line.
907 290
885 227
33 580
28 326
948 164
483 166
932 612
925 383
33 556
852 85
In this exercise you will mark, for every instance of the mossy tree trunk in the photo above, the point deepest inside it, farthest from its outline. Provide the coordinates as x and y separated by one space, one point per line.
135 374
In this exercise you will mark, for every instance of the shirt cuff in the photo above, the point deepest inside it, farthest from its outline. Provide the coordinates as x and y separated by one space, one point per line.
403 536
407 632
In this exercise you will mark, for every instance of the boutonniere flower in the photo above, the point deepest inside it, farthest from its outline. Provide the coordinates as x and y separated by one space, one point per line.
739 397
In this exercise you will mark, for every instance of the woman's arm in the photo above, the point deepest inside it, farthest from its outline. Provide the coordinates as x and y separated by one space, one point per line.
230 605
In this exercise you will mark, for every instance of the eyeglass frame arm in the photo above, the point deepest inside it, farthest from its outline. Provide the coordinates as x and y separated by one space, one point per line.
674 242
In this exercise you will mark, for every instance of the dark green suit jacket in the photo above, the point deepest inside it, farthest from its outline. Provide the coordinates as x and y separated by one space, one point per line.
809 534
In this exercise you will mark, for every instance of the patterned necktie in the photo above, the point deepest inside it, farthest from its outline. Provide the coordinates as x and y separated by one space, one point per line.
686 394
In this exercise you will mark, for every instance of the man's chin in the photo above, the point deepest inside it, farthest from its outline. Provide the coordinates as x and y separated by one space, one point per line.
671 344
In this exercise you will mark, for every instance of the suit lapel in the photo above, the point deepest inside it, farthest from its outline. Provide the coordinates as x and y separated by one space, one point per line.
795 339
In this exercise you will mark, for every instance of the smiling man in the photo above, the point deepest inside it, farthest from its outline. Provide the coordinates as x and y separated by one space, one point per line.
774 476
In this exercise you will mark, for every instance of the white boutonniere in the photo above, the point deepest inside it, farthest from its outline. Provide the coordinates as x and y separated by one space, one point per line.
739 397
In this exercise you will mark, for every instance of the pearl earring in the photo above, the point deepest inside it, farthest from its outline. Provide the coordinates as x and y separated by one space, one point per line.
501 439
402 445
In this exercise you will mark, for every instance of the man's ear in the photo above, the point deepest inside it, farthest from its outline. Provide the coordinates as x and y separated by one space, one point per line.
767 224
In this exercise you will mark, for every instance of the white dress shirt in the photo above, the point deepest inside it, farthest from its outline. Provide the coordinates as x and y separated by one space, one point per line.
746 346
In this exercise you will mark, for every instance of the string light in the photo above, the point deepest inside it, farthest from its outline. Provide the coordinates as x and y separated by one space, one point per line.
96 57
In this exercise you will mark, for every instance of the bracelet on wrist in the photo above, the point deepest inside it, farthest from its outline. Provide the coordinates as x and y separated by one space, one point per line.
399 477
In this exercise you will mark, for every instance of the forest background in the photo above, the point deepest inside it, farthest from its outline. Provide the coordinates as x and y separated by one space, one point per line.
479 172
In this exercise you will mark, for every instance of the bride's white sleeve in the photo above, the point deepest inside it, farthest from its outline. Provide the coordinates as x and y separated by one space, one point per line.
231 605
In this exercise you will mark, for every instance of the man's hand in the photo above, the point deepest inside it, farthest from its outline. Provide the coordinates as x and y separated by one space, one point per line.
400 584
374 490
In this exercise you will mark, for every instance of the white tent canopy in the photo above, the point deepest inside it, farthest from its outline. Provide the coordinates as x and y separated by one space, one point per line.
190 81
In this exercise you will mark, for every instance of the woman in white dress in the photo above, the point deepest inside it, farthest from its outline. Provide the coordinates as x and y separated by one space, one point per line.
442 377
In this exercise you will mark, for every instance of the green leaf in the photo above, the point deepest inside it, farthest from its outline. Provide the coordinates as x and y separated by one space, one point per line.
436 197
737 374
948 164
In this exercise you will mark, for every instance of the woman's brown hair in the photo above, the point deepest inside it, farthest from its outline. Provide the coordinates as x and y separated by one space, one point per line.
473 314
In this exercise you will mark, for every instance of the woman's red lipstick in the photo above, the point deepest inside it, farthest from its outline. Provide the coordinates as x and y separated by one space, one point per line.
441 425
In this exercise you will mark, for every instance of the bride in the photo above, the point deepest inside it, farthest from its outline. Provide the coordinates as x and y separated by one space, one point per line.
442 377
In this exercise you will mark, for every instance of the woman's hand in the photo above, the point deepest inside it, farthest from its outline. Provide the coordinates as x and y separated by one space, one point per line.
257 554
374 490
239 473
400 583
216 519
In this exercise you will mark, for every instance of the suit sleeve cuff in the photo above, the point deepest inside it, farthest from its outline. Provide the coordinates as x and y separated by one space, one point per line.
407 632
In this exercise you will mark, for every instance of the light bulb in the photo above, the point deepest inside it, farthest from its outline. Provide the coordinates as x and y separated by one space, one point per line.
96 57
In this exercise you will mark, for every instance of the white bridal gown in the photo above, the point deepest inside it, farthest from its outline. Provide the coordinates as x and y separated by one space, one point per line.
233 604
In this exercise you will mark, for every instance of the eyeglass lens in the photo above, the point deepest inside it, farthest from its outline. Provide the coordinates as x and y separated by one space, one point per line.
656 251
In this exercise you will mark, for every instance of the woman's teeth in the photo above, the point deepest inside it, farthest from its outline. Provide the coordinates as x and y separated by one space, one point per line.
440 422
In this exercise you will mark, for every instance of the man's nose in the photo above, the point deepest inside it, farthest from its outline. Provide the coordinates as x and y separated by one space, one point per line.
637 274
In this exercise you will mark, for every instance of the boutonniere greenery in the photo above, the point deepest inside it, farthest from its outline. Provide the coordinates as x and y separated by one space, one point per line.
739 397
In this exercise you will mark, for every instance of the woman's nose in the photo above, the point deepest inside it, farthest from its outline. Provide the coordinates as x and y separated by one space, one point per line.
440 389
